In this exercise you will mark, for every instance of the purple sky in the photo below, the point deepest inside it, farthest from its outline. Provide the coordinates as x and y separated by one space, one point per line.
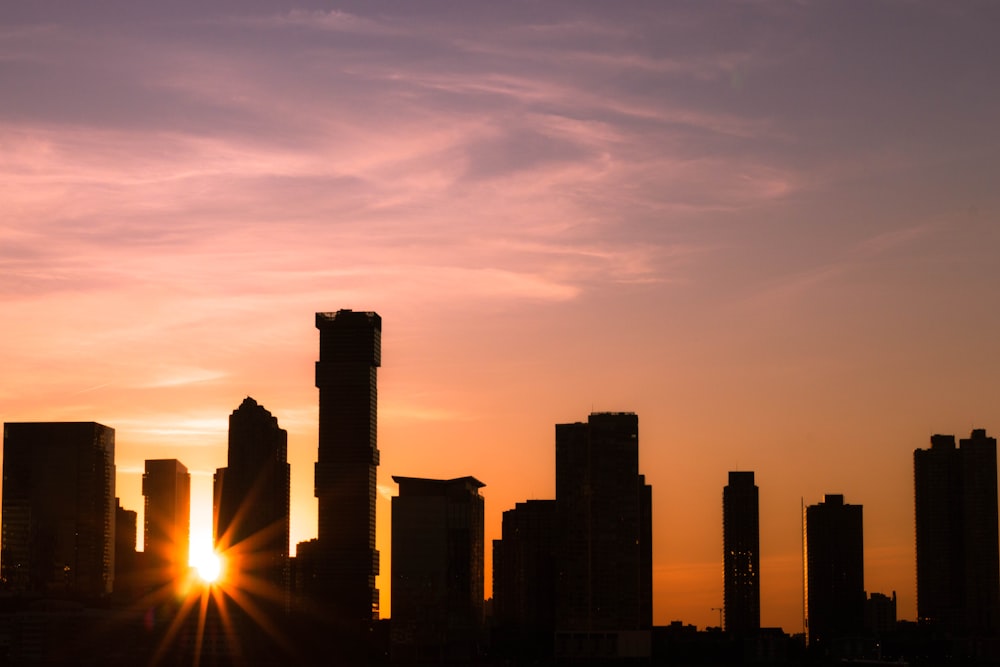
770 229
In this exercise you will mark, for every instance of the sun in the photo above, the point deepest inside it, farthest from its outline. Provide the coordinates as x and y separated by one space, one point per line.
208 566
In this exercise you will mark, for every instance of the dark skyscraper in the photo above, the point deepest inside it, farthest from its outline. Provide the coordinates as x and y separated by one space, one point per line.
437 568
349 356
524 579
741 554
835 571
958 563
604 506
252 498
166 485
126 534
58 535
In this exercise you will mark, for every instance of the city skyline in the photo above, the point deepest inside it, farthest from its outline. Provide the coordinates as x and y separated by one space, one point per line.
564 433
767 229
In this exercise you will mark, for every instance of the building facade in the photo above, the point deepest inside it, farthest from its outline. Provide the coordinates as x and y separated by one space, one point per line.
604 592
958 561
166 487
834 571
347 561
741 554
58 527
437 569
252 499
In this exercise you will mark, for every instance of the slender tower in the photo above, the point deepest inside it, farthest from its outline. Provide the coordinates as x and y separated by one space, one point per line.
347 562
741 553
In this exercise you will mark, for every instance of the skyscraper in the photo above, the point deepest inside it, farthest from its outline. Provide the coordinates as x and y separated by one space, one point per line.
604 586
349 356
524 579
741 554
437 568
958 563
166 485
835 571
58 528
252 492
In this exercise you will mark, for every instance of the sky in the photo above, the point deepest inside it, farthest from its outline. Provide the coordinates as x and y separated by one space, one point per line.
770 229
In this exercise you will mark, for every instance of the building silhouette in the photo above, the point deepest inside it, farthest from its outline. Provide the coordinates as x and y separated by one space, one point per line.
437 569
958 564
880 614
604 592
252 500
741 554
166 486
834 572
58 527
346 560
524 580
126 536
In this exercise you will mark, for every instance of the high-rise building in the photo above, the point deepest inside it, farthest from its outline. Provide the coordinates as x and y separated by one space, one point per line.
58 526
252 499
437 568
834 572
166 485
347 561
741 554
604 588
958 562
524 579
126 535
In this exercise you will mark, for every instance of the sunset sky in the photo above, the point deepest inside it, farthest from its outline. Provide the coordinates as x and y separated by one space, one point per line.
772 230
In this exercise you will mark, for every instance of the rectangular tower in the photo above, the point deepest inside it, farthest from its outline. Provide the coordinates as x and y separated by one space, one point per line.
166 485
524 579
437 568
604 508
835 571
58 535
958 564
349 357
741 554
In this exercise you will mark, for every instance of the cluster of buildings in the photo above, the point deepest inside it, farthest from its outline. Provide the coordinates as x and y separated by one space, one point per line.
572 575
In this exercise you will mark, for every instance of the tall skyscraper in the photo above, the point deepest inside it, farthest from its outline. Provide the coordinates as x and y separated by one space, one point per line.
58 528
741 554
252 496
524 579
437 568
166 485
604 585
349 356
958 558
835 571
